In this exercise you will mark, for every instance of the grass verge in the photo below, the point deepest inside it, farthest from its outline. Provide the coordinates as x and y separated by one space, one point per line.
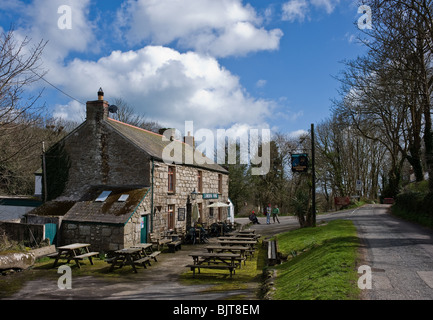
321 264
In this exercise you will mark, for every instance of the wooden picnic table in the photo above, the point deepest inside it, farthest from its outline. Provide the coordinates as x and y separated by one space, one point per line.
147 250
215 260
242 250
128 256
237 242
234 238
245 235
74 251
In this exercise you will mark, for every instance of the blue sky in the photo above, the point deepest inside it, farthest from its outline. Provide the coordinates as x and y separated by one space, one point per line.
220 63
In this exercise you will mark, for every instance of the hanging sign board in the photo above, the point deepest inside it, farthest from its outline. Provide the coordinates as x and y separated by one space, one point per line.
300 162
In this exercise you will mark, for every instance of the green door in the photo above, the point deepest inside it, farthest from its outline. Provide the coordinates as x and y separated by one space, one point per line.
51 232
143 229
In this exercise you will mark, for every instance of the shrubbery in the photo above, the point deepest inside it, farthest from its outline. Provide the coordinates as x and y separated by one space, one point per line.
415 203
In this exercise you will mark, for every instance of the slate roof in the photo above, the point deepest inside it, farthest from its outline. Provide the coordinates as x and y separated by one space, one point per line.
153 144
110 211
53 208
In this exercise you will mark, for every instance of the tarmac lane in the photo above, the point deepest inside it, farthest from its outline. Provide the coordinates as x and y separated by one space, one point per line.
399 254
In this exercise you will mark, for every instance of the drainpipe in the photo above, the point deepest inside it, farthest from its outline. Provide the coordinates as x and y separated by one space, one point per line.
151 200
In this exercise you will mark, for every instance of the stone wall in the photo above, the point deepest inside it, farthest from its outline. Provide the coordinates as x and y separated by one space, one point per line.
97 155
185 183
103 237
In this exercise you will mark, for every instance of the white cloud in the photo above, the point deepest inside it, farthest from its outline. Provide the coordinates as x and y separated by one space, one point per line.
73 111
328 5
299 9
167 86
41 22
219 28
295 10
298 133
261 83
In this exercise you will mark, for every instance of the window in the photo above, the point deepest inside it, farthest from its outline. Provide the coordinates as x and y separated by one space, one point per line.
171 178
171 216
220 183
103 196
123 197
200 181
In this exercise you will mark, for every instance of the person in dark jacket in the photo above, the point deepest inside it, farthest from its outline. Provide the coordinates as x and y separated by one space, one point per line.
253 218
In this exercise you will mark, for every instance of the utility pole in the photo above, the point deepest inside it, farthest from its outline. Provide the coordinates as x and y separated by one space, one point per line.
313 178
44 169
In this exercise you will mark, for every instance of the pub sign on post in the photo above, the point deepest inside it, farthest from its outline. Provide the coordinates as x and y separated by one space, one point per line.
300 162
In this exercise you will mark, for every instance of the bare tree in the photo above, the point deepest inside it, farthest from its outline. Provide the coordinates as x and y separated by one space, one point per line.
125 113
20 67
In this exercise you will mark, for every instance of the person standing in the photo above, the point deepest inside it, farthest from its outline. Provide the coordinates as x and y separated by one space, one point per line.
275 213
268 213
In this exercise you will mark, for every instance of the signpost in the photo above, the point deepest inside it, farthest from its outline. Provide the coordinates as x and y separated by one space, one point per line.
300 164
358 185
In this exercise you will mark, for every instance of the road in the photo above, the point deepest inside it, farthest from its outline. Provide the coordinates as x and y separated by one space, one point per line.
399 253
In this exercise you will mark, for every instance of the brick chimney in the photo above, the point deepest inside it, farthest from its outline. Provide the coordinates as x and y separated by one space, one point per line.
97 110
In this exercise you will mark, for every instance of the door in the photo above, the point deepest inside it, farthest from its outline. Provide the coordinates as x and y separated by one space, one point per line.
143 237
171 217
51 232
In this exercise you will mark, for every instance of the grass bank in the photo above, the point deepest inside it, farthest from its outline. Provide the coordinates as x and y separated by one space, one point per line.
321 263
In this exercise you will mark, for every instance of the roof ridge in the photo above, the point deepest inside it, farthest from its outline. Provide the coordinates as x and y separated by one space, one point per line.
145 130
135 127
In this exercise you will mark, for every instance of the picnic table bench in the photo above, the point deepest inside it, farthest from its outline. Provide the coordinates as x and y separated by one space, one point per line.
243 235
147 250
158 240
206 260
173 246
247 231
273 257
195 266
242 250
236 242
128 256
239 238
75 251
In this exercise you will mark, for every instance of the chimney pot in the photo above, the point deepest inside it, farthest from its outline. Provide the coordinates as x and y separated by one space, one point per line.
100 94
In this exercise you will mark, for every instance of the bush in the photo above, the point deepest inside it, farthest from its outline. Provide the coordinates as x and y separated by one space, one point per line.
415 204
410 201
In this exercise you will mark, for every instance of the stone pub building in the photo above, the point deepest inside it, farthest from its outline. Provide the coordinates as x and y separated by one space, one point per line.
107 184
